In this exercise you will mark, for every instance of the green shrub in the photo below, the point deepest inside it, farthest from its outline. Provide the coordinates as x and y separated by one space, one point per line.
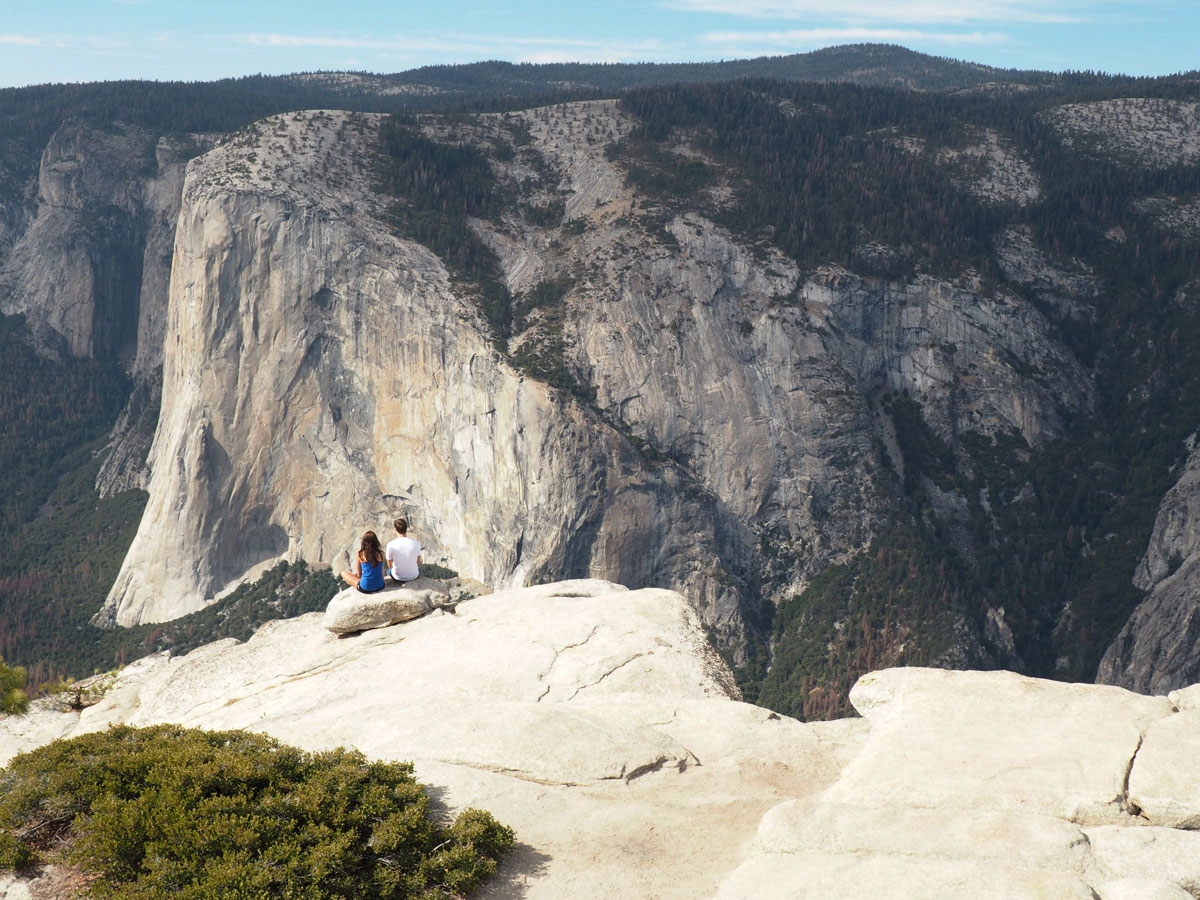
13 698
172 812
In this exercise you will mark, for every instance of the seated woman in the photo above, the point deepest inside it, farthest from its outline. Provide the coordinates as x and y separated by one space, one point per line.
367 574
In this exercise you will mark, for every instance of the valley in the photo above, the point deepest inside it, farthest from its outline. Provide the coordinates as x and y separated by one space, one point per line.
872 374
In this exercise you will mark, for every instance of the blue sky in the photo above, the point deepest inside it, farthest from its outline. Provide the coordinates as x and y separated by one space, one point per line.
90 40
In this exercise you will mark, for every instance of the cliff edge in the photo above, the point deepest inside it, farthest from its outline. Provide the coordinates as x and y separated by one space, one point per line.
600 724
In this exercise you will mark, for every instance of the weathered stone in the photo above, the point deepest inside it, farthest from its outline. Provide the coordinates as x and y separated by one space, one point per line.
1133 132
328 376
880 850
996 740
596 721
362 386
856 876
1141 889
13 888
40 725
1149 852
1065 284
1023 841
602 726
351 610
1165 779
1186 698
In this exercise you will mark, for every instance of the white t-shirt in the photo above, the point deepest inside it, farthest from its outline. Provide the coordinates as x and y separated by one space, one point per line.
402 553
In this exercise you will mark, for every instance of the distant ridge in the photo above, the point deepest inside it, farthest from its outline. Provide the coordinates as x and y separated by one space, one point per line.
31 114
882 65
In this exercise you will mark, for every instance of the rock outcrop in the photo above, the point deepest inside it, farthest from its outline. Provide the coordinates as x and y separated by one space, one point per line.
351 610
600 724
1158 649
90 269
1144 132
990 785
597 721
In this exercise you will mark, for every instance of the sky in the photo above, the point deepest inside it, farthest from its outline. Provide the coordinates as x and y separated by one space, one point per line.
97 40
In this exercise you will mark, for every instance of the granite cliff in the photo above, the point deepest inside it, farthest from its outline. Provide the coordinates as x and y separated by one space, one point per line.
1159 647
918 444
90 266
321 372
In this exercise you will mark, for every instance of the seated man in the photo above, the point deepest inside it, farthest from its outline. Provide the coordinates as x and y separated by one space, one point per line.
403 554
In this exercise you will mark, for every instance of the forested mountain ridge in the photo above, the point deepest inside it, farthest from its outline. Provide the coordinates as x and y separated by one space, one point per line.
904 372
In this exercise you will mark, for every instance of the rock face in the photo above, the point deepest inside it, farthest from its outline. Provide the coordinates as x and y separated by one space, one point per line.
321 375
352 610
1158 649
1010 758
77 266
986 165
1135 131
600 724
90 268
90 271
596 721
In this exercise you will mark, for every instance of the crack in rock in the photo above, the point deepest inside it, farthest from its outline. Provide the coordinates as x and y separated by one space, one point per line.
645 769
619 665
557 652
1132 808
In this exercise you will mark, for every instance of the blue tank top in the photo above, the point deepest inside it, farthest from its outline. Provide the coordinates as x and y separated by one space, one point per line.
372 577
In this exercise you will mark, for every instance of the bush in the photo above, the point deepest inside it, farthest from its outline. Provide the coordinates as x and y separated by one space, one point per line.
172 812
13 698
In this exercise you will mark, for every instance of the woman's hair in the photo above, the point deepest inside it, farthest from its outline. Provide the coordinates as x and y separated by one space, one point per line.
369 550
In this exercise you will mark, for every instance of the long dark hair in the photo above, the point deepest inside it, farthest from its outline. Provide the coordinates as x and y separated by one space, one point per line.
370 551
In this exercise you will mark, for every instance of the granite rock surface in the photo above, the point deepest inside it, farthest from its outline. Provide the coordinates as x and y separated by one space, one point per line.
600 724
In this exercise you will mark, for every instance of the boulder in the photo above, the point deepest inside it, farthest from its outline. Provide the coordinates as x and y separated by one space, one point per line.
352 610
1016 839
996 740
1149 853
1186 698
819 848
1164 782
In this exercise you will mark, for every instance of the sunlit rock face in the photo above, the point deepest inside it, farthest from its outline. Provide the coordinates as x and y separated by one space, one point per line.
321 375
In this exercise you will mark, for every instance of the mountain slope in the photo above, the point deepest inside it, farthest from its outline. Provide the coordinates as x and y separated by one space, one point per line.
879 376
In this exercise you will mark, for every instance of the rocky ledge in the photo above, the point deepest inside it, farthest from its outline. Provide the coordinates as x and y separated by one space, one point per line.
599 723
